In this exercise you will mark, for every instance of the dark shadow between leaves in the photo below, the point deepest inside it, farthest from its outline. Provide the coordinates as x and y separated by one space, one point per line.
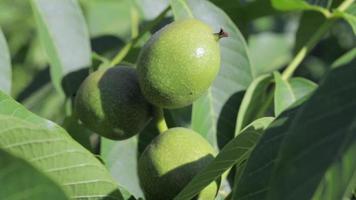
227 119
116 194
40 80
146 136
71 81
180 117
106 43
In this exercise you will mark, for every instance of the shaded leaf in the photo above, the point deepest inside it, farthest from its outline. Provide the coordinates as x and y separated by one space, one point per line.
306 148
235 152
255 102
350 16
65 38
320 137
23 181
287 92
79 133
49 148
235 74
241 11
254 180
5 65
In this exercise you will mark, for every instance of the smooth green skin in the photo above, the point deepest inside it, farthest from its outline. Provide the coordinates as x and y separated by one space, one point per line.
110 103
179 63
171 161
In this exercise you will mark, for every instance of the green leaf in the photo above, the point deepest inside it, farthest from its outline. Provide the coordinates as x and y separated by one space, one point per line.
302 5
252 184
350 16
240 12
263 58
235 74
5 65
150 9
22 181
49 148
65 38
121 158
320 137
307 153
255 102
234 153
287 92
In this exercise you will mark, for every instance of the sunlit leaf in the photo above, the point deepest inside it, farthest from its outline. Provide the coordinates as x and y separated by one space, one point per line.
49 148
20 180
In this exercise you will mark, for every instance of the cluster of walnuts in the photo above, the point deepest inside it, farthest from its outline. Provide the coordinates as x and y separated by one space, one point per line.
174 68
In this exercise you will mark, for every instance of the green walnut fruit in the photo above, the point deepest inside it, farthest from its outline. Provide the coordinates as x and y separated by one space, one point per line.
171 161
179 63
110 103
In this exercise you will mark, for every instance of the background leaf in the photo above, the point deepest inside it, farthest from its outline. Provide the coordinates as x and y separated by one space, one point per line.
22 181
301 4
46 102
116 21
235 152
287 92
309 23
150 9
180 9
235 75
263 58
51 149
65 38
121 160
5 65
255 102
